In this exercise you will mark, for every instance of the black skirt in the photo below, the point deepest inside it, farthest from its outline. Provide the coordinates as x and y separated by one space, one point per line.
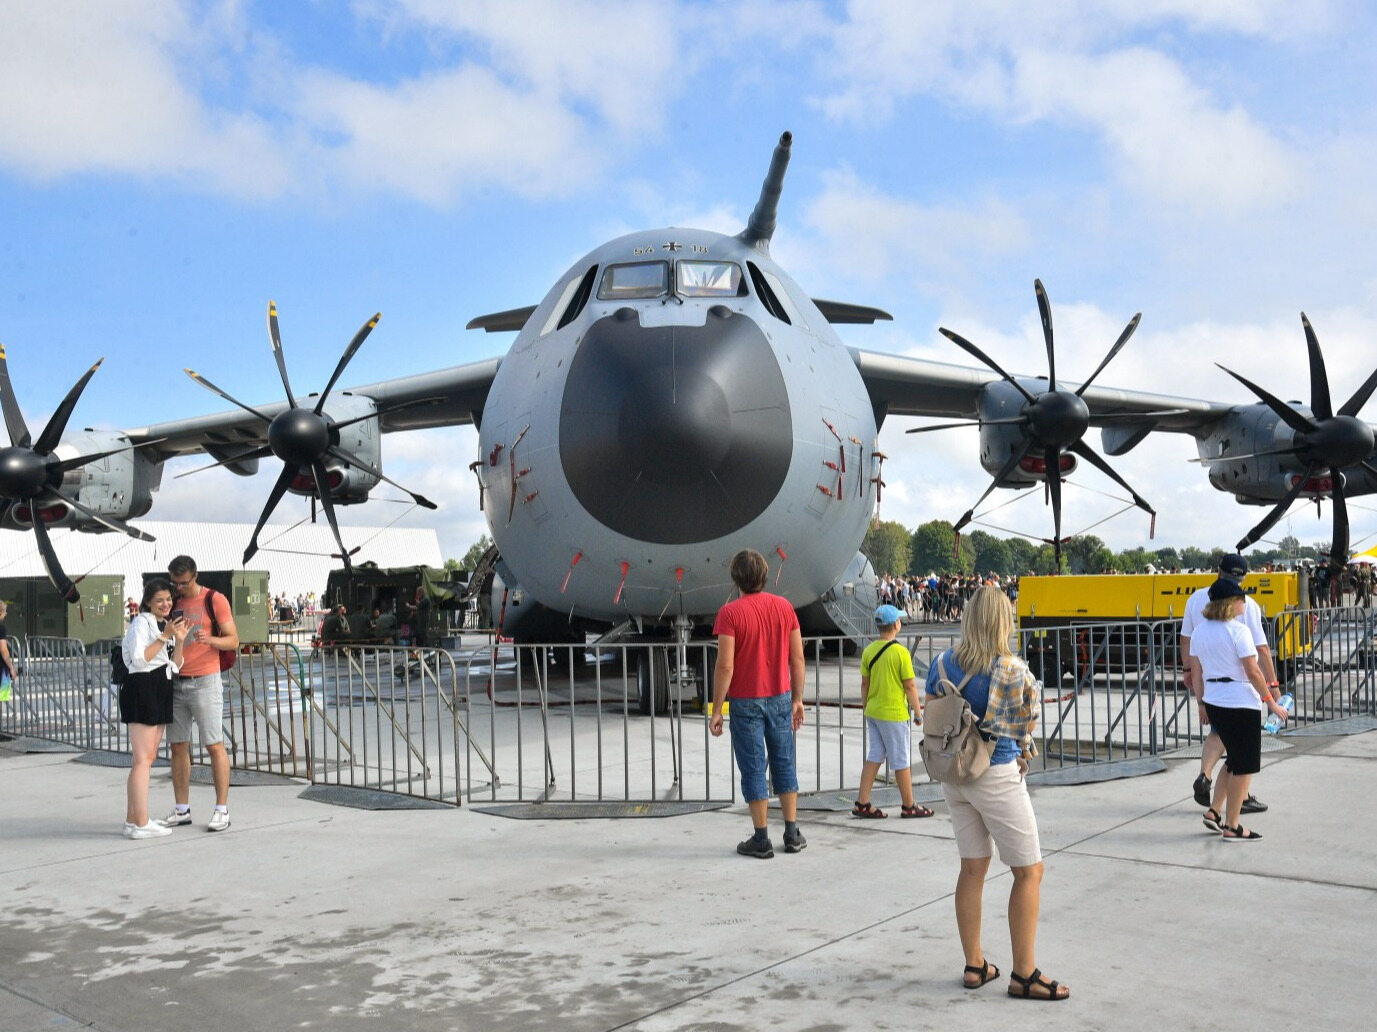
146 697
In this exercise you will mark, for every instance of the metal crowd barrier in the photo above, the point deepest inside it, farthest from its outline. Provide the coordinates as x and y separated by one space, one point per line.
627 722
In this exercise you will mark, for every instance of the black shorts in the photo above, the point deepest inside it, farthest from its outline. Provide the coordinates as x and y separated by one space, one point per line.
146 698
1241 732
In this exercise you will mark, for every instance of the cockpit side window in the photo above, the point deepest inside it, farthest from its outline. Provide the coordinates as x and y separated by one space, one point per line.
580 298
767 295
708 279
634 280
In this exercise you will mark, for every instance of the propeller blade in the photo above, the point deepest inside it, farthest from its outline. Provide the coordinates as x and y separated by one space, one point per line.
384 409
1289 416
1360 396
357 463
345 358
85 460
257 453
59 579
965 345
57 424
284 480
1249 455
1338 550
1319 379
1135 417
232 400
1045 310
276 339
50 497
14 419
1118 346
322 477
1052 456
1278 511
1093 457
1014 420
1009 466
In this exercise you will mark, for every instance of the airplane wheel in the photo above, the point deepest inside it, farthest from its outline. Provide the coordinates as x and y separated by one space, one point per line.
652 680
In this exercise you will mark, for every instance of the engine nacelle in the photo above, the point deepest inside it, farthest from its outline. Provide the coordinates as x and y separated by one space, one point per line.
119 486
1252 478
1000 400
348 486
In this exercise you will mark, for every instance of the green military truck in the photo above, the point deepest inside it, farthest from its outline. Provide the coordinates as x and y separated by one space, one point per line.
36 610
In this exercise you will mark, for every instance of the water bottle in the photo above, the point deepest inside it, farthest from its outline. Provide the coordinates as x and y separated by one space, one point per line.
1273 723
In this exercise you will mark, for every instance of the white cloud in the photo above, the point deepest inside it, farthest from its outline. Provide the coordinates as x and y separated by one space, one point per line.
106 87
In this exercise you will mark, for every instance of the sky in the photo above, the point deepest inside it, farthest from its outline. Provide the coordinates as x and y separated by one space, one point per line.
168 167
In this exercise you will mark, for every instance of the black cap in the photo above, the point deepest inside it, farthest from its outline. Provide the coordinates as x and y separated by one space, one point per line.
1226 588
1233 566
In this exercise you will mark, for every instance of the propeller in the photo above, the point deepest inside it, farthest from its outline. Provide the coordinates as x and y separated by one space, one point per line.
303 438
30 474
1322 441
1054 421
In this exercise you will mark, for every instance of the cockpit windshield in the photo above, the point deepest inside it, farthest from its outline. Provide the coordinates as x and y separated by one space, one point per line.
707 279
634 280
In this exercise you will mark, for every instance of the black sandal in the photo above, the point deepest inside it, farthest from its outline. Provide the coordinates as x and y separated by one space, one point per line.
1238 833
916 810
986 972
867 810
1036 979
1213 819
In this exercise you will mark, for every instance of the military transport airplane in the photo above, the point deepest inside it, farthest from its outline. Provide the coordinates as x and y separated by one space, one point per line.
675 397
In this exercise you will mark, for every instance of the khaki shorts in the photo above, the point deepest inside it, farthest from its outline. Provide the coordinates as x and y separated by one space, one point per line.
995 806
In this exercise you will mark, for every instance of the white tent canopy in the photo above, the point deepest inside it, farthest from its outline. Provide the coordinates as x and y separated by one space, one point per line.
298 559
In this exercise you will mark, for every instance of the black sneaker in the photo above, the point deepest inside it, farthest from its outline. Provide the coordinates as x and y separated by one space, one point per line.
754 847
1254 805
795 843
1202 790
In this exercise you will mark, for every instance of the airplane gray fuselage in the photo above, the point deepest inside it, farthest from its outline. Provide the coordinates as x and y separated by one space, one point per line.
628 452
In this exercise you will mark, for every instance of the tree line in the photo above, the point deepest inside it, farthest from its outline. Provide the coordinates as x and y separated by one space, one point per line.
931 548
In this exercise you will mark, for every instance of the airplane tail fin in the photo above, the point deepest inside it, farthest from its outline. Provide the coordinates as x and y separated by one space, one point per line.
761 226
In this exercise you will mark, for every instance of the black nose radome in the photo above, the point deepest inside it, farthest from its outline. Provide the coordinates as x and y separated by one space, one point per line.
675 434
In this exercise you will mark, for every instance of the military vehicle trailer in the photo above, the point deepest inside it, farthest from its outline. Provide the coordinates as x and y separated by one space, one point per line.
1080 626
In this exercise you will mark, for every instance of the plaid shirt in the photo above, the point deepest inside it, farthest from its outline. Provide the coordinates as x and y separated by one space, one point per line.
1015 703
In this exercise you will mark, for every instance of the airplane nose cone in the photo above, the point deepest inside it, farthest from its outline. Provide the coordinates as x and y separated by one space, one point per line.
675 434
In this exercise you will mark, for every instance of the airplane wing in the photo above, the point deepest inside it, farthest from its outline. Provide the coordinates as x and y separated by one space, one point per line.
904 386
446 397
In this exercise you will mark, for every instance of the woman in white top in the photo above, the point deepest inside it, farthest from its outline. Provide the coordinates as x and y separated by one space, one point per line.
1224 667
153 653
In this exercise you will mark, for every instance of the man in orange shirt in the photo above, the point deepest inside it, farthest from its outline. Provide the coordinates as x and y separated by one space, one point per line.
198 696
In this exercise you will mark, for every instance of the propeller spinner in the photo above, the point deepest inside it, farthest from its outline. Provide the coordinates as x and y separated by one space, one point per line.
1054 420
1322 441
303 438
30 474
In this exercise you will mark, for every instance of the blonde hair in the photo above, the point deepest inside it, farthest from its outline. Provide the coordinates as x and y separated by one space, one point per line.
1220 608
987 625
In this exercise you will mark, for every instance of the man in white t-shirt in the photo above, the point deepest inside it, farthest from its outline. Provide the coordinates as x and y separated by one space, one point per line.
1234 567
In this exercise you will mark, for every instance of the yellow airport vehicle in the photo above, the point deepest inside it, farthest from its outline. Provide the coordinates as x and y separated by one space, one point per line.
1086 624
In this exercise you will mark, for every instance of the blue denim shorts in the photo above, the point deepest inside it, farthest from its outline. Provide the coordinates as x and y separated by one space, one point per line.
762 734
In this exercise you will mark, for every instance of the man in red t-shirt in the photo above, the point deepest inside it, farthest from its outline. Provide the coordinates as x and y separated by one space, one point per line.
198 696
760 668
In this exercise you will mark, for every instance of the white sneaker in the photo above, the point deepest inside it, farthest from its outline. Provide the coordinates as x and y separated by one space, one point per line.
176 819
219 821
150 830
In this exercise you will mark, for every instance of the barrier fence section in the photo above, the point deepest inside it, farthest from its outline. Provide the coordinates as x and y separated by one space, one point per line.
627 723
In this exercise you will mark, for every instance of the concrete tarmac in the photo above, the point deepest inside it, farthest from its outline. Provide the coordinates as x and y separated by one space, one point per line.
309 916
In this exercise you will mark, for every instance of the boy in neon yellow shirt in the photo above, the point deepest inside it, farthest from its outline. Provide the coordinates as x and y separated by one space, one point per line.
889 692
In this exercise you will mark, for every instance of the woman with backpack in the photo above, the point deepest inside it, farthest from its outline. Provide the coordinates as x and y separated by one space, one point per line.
152 653
993 808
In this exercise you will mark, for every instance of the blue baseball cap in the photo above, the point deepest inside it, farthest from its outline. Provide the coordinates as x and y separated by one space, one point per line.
886 615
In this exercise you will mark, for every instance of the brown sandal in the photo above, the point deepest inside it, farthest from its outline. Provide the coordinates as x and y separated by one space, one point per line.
866 810
916 810
1036 979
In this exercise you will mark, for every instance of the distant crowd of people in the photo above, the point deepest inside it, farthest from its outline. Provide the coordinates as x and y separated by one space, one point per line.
939 599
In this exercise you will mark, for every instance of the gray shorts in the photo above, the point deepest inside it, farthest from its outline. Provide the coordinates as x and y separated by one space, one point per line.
200 699
888 740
